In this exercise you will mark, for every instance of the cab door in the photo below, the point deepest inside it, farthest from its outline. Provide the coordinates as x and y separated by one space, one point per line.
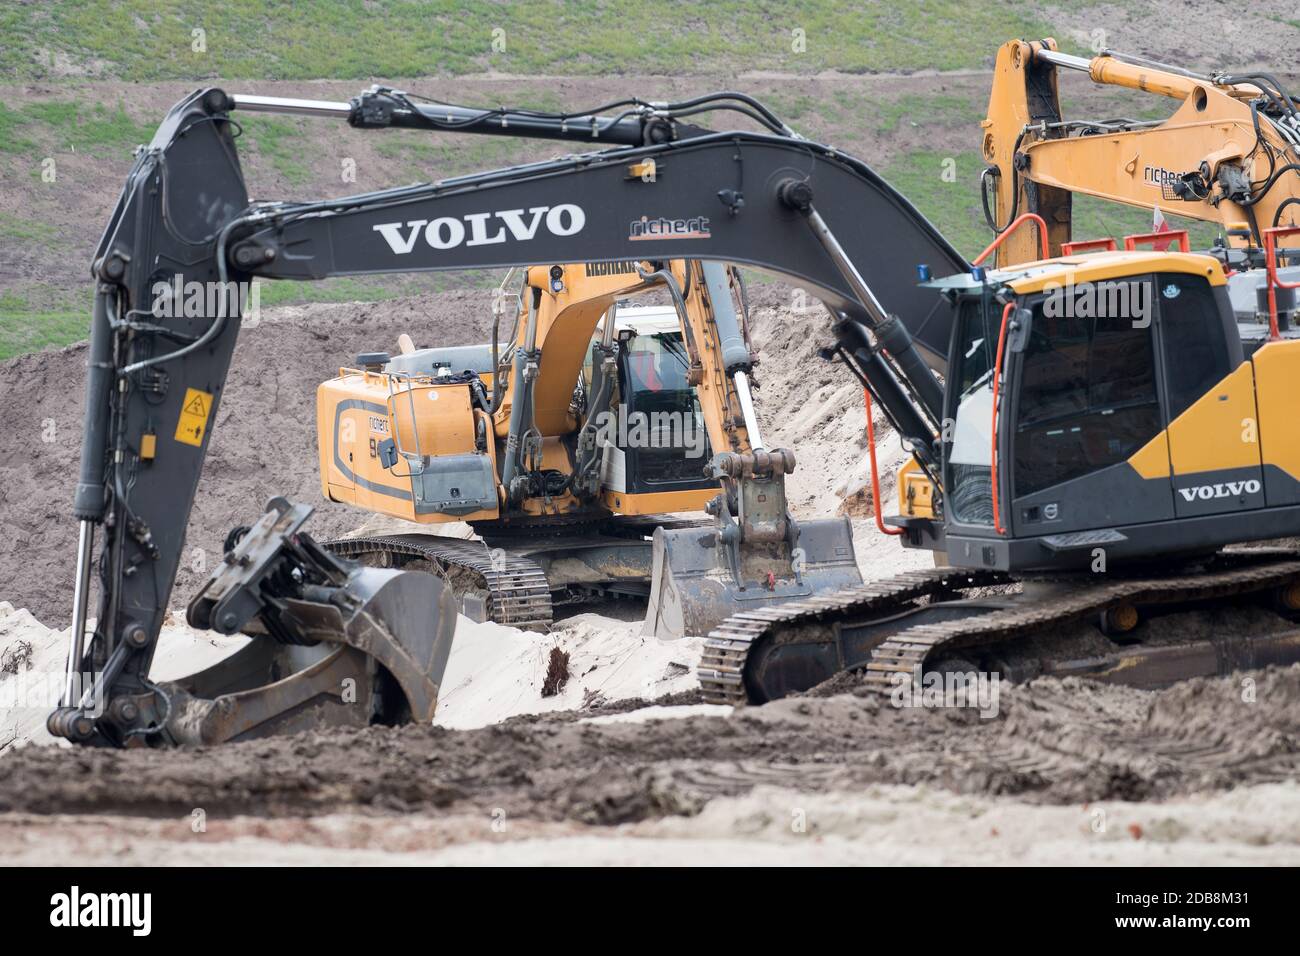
1087 441
1214 447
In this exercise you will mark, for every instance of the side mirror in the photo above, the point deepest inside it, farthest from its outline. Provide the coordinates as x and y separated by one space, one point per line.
1018 328
387 451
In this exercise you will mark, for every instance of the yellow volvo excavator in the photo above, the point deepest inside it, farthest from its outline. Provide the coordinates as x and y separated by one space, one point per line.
568 442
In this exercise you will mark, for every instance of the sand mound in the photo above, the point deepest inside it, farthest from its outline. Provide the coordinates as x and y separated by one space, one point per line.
497 672
32 659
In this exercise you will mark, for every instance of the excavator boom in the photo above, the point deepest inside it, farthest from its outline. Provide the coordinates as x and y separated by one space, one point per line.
1229 153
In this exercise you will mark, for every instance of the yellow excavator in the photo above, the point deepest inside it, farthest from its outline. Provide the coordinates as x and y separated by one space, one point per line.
1228 154
568 442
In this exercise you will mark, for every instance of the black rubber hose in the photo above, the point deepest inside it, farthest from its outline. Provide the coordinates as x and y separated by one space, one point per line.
1015 190
1289 201
1278 89
1268 184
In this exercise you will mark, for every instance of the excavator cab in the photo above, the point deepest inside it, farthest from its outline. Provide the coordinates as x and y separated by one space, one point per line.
1103 439
656 441
1102 407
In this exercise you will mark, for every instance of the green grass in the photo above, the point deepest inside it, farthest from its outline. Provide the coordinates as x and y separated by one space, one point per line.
59 125
377 289
280 141
88 127
417 157
25 332
24 230
39 316
886 115
329 290
34 316
12 135
43 316
24 329
952 206
153 39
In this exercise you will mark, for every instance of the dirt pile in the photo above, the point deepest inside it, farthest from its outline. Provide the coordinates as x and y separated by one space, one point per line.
816 407
264 444
1052 742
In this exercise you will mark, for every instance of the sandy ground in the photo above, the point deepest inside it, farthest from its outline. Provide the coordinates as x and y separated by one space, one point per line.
1068 772
495 672
878 825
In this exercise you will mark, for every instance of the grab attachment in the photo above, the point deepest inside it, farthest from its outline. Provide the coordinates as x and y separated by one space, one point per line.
334 644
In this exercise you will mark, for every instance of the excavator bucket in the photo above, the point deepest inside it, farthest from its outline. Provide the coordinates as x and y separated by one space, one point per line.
757 558
693 589
334 643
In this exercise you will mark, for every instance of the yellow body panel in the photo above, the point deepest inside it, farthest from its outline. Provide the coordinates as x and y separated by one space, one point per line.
1152 459
658 502
1009 110
1211 434
355 413
1277 394
433 419
915 491
1103 266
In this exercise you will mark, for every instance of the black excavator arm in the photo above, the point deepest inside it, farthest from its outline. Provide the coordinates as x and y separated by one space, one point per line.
184 241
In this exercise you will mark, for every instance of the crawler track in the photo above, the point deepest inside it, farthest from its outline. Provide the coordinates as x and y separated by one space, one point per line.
736 643
518 593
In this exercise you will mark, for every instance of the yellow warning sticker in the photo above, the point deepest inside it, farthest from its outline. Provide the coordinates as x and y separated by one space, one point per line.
194 417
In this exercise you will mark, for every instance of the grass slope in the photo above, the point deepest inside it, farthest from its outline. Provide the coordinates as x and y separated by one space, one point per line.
156 39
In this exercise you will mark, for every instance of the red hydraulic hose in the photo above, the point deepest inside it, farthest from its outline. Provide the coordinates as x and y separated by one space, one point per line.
993 452
1023 218
875 475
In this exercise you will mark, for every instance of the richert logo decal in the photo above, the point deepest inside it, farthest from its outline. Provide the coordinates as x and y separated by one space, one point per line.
483 228
1158 176
647 228
1226 489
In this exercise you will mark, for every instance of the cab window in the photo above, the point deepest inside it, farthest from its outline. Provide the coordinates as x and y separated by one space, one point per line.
1087 384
